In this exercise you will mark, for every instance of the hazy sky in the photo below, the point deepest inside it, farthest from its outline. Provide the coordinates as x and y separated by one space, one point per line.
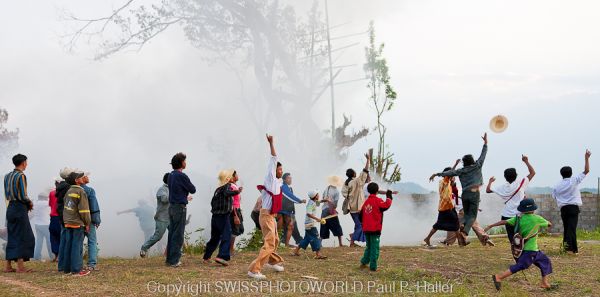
454 64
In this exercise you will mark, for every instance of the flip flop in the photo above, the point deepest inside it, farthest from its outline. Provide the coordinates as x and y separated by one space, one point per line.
321 257
497 284
552 287
26 271
295 255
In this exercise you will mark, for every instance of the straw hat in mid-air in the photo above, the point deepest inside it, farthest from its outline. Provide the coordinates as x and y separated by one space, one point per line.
499 124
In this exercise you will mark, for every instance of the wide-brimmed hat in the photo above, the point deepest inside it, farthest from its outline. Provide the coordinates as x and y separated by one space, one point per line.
527 205
334 180
313 194
65 172
499 123
225 176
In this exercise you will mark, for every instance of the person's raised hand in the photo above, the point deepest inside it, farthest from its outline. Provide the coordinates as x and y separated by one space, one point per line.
524 158
457 162
492 179
588 154
484 137
432 178
270 138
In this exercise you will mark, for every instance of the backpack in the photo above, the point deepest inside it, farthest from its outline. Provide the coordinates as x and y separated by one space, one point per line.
518 242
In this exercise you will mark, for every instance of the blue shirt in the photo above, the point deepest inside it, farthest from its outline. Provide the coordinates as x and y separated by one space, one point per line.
94 207
288 207
180 187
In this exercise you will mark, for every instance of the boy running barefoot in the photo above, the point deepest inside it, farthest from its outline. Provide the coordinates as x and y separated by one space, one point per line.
312 234
528 225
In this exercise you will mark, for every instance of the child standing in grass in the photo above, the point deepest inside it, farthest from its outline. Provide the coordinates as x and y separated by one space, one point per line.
312 234
371 216
528 226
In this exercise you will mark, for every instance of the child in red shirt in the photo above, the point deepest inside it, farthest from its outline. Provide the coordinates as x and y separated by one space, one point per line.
371 216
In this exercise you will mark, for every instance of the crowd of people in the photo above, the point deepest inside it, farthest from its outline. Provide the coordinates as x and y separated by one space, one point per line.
70 213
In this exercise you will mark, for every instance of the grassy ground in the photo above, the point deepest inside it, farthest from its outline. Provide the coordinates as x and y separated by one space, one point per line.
467 269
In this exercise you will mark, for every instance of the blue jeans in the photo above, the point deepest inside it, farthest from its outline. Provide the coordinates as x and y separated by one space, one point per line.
177 214
55 230
61 249
92 247
159 231
220 235
358 234
311 236
42 234
73 250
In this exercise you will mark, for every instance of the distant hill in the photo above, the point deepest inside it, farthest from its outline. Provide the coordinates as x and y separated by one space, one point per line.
410 188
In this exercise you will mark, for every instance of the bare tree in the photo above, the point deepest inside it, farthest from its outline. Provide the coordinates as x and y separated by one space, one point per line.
285 52
382 98
8 139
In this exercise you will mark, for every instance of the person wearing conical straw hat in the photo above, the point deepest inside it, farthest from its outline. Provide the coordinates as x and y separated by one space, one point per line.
220 223
329 213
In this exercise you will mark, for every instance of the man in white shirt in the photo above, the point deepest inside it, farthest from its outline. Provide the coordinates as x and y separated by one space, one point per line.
568 198
512 192
40 219
271 197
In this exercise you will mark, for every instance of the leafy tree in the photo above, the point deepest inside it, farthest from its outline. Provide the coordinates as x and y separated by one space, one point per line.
382 98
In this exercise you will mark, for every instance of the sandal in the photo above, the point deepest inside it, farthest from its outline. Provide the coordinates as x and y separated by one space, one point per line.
497 284
25 271
295 254
321 257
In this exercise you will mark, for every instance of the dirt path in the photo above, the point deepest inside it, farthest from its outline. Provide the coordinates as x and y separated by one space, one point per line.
27 287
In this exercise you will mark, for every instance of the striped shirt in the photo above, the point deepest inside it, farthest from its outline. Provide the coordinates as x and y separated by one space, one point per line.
15 187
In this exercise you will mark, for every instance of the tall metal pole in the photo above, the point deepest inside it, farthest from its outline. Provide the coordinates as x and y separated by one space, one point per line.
330 74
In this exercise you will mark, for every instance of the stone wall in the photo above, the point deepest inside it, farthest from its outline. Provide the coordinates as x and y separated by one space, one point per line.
491 205
589 216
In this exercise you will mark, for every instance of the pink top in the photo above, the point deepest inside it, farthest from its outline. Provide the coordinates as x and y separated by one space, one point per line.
237 198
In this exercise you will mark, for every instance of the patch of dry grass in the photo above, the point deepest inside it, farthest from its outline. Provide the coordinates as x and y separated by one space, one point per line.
467 269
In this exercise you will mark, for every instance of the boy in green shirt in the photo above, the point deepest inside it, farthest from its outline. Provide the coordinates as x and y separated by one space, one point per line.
529 226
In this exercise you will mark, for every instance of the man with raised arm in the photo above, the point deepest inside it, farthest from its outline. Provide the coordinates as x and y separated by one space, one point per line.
512 192
471 180
568 198
271 197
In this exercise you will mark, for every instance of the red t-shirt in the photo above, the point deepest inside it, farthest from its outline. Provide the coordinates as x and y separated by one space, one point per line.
53 202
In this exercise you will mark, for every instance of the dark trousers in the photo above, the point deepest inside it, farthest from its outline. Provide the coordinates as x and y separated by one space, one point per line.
73 250
470 208
254 215
220 235
55 230
295 232
570 217
177 214
510 230
20 243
